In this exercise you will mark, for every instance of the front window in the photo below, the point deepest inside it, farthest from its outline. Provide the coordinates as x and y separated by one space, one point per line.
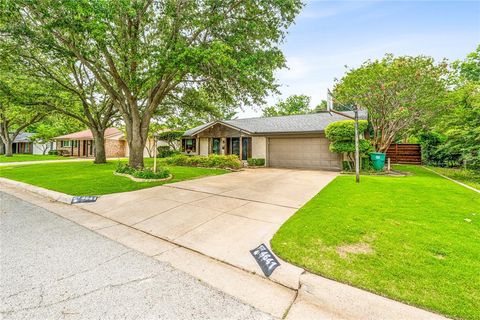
189 145
66 143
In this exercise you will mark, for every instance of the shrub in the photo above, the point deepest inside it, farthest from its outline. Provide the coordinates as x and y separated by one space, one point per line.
349 146
342 140
53 152
148 173
145 173
434 151
211 161
166 151
344 130
256 162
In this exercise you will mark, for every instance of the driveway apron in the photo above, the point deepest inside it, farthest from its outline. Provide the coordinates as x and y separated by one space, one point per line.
224 216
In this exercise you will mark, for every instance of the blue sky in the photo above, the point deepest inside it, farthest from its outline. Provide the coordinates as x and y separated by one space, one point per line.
328 35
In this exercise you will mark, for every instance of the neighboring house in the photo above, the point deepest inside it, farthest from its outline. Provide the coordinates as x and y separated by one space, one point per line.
80 144
23 145
296 141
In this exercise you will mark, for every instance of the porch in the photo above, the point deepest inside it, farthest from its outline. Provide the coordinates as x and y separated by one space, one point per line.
76 148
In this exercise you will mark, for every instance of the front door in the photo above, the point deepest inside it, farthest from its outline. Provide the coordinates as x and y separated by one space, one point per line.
235 146
216 145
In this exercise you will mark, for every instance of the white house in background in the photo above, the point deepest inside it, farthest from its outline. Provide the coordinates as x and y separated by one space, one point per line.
23 145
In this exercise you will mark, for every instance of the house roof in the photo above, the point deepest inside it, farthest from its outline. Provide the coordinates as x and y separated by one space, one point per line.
110 133
305 123
23 137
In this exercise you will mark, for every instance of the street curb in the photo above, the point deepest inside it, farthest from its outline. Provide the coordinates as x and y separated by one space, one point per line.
53 195
315 297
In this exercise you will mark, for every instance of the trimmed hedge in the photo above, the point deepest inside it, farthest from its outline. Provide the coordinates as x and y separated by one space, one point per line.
211 161
344 130
256 162
145 173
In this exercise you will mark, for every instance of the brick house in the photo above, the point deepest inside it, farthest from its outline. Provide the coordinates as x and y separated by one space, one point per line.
80 144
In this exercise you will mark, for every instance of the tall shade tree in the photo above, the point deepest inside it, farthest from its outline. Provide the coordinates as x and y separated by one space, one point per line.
461 123
145 52
18 97
68 88
295 104
396 91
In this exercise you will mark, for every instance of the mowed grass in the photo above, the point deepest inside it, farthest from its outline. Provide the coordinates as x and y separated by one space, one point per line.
30 157
86 178
469 177
415 239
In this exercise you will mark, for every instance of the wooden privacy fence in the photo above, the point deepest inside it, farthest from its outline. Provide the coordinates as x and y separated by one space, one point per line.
406 153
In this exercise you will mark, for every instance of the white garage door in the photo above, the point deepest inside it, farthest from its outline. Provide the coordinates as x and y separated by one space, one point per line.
308 153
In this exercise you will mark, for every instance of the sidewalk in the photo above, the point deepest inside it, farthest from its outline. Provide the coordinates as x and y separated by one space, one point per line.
293 294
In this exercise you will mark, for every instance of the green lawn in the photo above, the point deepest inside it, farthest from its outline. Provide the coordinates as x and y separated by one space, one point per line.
30 157
86 178
415 239
469 177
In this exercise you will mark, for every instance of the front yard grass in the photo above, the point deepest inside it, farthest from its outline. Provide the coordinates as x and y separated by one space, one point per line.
30 157
469 177
415 239
86 178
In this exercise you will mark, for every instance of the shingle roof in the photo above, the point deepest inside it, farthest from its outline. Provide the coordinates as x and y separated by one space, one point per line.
87 134
305 123
23 137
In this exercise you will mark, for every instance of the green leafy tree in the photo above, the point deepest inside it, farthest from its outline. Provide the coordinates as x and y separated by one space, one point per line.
172 138
144 53
342 138
398 92
53 126
18 96
295 104
461 123
321 107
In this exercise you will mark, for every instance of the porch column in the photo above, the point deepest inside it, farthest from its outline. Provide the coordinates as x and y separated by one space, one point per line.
241 146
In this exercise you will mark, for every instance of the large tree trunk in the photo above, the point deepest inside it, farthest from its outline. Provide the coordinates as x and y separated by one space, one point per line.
8 148
136 138
99 141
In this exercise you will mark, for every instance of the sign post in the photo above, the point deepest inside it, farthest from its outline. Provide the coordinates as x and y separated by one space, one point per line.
154 154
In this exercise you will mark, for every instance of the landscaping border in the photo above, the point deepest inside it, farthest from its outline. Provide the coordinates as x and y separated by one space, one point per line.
170 176
453 180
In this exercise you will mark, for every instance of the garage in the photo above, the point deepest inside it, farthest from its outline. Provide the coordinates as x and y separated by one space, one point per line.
302 152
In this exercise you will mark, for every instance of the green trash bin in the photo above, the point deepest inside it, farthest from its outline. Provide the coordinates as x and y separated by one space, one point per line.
378 159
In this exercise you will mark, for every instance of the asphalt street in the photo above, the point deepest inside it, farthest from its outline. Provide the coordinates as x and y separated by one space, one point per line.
51 268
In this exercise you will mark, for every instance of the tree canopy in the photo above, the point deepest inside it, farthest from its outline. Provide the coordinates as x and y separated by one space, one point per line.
145 53
295 104
398 92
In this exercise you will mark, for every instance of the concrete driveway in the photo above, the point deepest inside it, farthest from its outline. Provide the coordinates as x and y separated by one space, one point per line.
223 216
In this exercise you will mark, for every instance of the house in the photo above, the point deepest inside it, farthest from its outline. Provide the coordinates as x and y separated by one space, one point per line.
80 144
296 141
22 144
